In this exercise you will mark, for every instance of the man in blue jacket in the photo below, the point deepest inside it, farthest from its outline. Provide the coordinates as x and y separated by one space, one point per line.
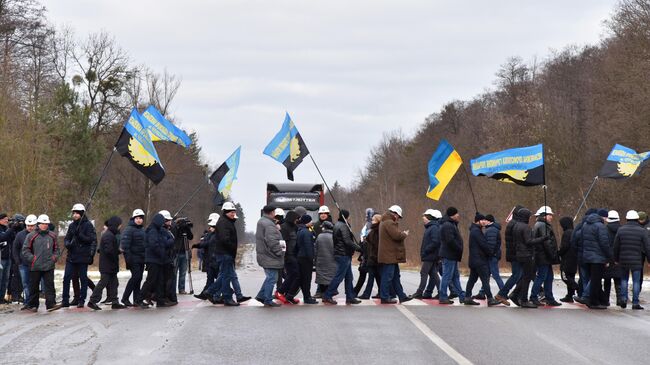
493 238
305 255
596 253
81 243
451 252
158 241
479 254
429 255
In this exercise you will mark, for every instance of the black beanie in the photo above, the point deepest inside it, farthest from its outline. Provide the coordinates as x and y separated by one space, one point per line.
268 209
305 219
451 211
478 217
344 214
490 218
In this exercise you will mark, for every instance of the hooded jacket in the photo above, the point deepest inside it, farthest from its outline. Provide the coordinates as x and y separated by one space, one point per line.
430 248
41 250
511 248
81 241
226 237
109 247
567 252
595 241
451 243
493 238
305 242
289 232
479 250
523 238
270 254
631 246
133 241
159 242
17 249
545 251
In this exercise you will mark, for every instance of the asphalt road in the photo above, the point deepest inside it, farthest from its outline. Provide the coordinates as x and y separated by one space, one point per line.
418 332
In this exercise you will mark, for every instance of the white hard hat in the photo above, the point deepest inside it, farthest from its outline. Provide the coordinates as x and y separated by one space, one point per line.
137 213
213 216
30 220
212 222
632 215
323 209
544 210
279 211
166 214
78 208
228 206
43 218
396 209
612 216
434 213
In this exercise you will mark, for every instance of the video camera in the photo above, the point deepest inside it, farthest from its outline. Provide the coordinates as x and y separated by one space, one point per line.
183 222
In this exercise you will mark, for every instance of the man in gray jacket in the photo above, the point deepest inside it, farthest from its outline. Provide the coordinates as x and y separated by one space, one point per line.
270 254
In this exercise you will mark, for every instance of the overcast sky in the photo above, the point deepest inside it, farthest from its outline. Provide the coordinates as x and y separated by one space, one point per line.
346 71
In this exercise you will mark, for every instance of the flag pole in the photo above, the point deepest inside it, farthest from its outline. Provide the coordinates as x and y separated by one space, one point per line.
196 191
584 199
469 182
332 195
99 180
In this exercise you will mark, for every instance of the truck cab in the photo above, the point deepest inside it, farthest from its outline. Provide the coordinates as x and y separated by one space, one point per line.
288 196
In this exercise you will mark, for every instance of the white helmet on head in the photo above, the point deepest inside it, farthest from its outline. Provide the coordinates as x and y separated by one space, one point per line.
43 219
30 220
213 221
544 210
396 209
324 209
166 214
279 212
137 213
612 216
78 208
228 206
214 217
434 213
632 215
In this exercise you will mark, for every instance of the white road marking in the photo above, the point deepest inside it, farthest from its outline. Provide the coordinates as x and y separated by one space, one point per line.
444 346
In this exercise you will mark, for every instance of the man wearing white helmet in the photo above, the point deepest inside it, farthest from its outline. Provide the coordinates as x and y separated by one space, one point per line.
631 246
546 255
23 266
612 271
158 243
391 253
132 243
429 250
41 251
208 244
81 244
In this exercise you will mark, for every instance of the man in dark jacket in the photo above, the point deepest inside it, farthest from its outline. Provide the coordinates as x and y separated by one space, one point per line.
479 255
344 248
392 252
182 231
511 257
525 246
324 215
109 265
270 249
305 255
23 266
545 257
568 260
289 230
156 246
596 253
7 235
612 270
451 252
583 268
81 244
429 251
41 251
132 243
372 264
493 237
226 251
208 244
631 247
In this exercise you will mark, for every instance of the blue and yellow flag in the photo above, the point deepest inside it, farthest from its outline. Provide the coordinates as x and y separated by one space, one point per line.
522 166
442 167
224 176
623 162
287 147
136 145
161 129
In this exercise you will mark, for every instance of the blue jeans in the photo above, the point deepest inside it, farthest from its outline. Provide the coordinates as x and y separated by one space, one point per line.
343 272
544 275
82 270
373 275
585 276
512 280
225 278
266 291
4 276
24 278
636 284
450 277
493 263
390 278
180 270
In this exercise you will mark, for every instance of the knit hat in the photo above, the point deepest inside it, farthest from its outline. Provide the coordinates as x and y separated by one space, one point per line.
327 225
490 218
305 219
344 214
451 211
591 211
478 217
603 213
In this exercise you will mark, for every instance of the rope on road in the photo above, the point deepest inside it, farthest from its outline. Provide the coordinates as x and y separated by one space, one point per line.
444 346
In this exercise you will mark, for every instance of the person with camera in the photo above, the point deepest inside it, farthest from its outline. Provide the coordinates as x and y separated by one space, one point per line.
182 231
81 243
8 229
133 246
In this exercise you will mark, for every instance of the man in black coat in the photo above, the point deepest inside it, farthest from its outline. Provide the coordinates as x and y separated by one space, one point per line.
7 235
545 257
568 259
133 241
291 284
511 257
631 247
158 242
525 246
81 244
451 252
479 254
109 265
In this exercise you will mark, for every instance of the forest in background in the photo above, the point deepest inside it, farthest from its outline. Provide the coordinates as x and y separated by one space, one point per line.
578 102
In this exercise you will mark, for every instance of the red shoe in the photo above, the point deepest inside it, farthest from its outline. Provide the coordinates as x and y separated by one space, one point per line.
281 298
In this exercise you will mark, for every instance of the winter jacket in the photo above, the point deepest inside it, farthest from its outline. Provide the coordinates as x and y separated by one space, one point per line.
451 243
159 242
430 248
178 230
523 239
545 251
511 248
305 242
325 262
133 241
372 240
631 245
318 226
612 270
567 252
6 235
391 241
41 250
226 237
109 248
81 241
270 254
209 245
479 250
344 244
595 241
17 248
493 238
289 232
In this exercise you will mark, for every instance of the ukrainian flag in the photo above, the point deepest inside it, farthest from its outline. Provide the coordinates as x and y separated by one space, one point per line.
442 167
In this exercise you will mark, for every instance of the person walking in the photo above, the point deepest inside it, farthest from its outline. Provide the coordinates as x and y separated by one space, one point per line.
392 252
109 265
612 271
546 255
324 258
270 249
568 260
479 255
305 255
132 243
511 257
451 252
429 255
631 247
523 239
597 254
